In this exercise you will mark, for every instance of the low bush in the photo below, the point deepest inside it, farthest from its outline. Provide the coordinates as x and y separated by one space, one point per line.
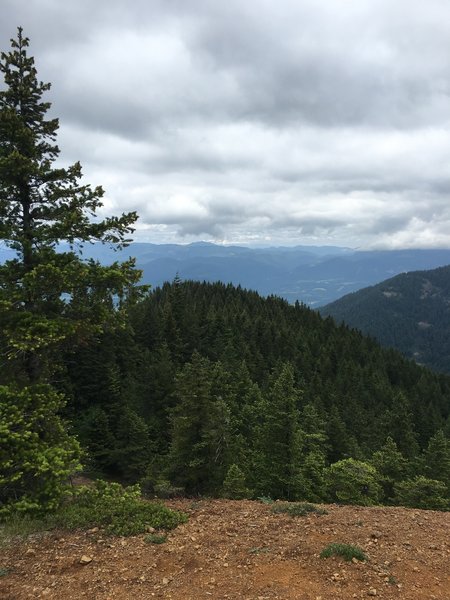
351 481
164 489
346 551
119 510
297 509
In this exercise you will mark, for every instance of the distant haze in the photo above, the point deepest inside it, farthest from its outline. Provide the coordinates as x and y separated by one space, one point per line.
258 122
314 275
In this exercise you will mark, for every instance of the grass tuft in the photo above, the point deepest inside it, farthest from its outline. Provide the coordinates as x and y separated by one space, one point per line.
346 551
259 550
154 538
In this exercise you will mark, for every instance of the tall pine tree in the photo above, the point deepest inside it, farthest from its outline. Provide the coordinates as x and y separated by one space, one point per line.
50 300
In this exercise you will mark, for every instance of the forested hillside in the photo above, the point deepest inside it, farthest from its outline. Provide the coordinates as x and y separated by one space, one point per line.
212 388
410 312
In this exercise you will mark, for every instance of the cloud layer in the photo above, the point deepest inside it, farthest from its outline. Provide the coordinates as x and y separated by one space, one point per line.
311 121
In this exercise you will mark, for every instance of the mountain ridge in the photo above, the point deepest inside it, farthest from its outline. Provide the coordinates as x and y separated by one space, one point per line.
409 312
313 275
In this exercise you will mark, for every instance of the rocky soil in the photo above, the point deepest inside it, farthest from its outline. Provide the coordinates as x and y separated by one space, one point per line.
240 550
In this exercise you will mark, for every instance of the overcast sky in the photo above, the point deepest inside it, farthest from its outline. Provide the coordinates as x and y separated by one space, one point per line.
255 122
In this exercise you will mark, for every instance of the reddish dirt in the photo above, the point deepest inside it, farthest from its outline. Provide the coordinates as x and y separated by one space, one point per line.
240 550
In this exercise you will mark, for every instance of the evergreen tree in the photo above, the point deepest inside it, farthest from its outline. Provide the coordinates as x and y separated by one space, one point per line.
50 301
234 485
95 435
282 438
399 423
392 467
133 447
199 430
437 459
314 450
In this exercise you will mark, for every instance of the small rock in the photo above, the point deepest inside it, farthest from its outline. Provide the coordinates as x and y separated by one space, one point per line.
376 534
372 592
85 560
165 581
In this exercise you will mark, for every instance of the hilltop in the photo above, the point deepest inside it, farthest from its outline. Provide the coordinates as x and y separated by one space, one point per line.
240 550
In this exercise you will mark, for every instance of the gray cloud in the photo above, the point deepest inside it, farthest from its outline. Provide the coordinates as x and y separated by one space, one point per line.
305 121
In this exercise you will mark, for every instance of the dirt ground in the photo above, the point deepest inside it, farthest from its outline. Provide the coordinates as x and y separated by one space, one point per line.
241 550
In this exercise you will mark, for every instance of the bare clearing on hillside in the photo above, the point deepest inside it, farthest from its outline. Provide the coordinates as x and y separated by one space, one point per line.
241 550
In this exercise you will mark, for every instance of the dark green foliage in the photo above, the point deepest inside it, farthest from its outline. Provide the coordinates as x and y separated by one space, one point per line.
314 443
119 510
281 444
297 509
269 387
345 551
355 389
199 429
132 450
422 492
437 458
391 466
164 489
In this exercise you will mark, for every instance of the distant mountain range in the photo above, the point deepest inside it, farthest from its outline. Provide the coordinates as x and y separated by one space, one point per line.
410 312
315 275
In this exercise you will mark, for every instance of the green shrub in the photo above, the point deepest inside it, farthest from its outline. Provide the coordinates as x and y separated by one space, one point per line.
120 510
164 489
421 492
297 509
346 551
351 481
